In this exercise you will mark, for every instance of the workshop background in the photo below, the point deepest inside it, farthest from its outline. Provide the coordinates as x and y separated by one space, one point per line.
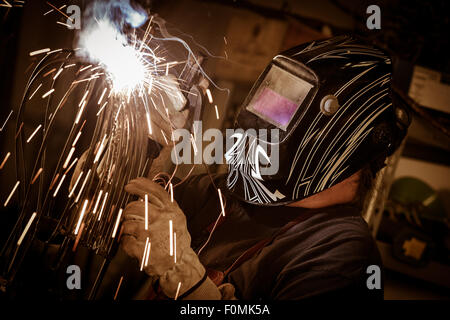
408 210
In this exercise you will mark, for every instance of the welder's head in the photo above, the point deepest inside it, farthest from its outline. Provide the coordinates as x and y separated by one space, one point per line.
328 112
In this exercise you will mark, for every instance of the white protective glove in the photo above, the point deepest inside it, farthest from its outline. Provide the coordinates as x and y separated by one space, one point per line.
188 269
167 115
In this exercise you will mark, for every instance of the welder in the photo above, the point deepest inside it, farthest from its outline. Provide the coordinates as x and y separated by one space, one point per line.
297 233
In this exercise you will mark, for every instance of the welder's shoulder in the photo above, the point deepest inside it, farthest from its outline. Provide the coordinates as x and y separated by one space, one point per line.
331 259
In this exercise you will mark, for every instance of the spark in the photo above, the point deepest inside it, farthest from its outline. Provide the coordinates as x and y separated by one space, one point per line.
217 112
34 132
64 24
144 255
171 191
146 211
59 185
194 144
118 287
6 4
69 156
103 206
83 185
208 93
175 247
84 97
76 184
65 15
71 165
53 181
50 72
7 118
36 175
54 51
4 160
117 223
81 216
22 236
221 202
58 73
100 150
149 124
85 68
171 237
40 85
80 112
19 130
98 201
48 93
76 139
12 192
164 136
34 53
148 253
70 65
101 97
101 109
178 291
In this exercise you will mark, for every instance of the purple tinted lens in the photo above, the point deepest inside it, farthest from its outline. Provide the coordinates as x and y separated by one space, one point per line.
275 107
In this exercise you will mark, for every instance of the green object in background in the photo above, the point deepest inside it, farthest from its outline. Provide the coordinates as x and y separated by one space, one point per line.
410 191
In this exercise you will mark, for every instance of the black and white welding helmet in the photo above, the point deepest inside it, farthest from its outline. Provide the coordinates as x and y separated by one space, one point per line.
327 111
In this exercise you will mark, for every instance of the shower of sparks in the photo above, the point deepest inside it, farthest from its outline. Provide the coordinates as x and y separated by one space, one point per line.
133 73
171 237
22 236
12 192
80 219
221 202
117 223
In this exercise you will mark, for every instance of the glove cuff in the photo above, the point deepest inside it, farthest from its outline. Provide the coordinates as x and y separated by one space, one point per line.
189 271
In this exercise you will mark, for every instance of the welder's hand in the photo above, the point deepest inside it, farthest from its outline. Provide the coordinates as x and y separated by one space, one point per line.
161 210
166 115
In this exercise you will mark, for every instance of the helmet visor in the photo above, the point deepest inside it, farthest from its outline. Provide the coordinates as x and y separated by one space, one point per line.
278 97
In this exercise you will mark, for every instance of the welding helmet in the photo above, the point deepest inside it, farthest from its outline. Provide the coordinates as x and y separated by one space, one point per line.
325 108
